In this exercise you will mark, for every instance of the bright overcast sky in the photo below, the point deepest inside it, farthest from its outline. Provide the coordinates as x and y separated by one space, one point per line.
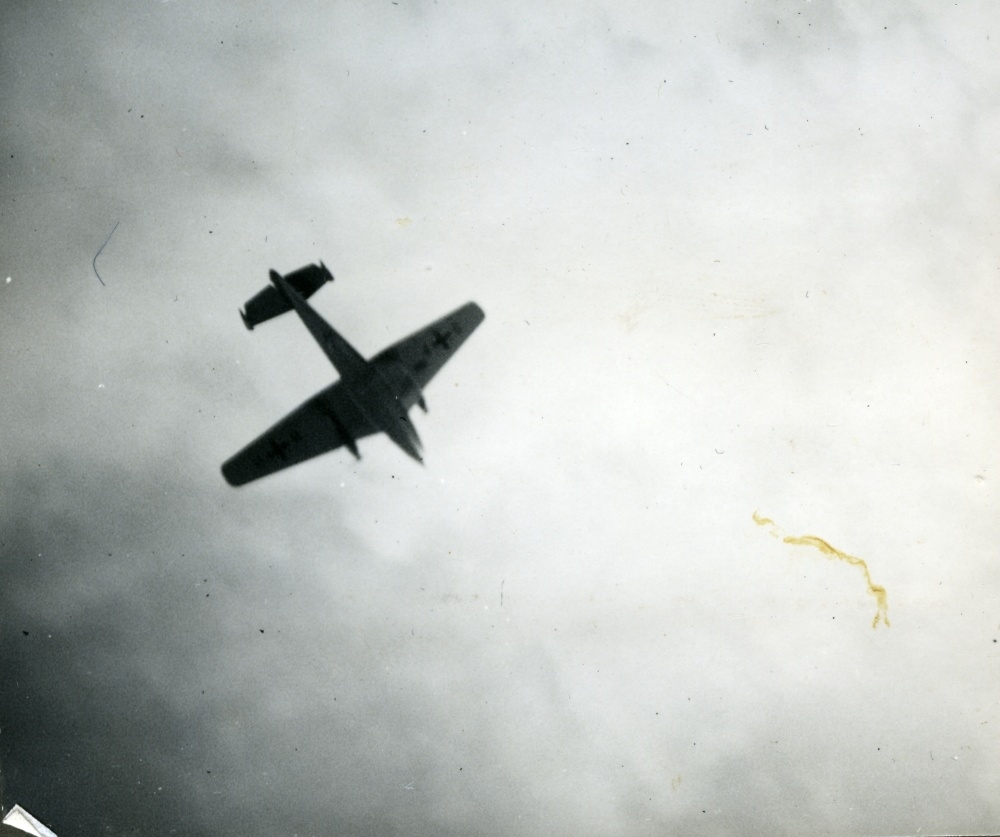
735 258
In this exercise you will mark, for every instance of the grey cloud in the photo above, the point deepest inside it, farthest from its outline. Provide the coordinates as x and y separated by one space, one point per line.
690 317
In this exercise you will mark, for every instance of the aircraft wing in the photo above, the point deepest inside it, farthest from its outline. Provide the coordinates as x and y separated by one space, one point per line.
325 422
414 360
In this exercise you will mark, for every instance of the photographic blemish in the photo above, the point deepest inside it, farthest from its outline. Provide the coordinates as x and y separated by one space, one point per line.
881 597
105 244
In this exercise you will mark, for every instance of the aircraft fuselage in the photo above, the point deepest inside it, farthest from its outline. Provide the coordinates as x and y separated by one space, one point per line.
383 407
374 396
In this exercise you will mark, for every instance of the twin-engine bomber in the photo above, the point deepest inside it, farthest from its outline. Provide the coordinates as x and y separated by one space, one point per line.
372 396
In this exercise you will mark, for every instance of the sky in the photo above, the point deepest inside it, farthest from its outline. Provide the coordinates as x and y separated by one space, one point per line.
737 376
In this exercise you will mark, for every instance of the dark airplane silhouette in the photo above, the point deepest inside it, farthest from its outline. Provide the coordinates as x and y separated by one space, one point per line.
371 396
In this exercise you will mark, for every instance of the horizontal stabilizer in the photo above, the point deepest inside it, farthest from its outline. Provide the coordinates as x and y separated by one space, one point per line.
270 302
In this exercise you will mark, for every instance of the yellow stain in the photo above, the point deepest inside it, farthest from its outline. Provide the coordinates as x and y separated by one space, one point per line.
403 222
882 614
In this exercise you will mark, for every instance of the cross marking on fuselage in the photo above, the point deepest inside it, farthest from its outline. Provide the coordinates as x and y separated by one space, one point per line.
278 448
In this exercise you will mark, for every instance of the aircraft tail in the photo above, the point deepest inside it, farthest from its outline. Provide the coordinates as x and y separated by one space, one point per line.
271 303
342 355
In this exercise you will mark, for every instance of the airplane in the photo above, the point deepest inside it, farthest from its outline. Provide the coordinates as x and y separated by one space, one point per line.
371 396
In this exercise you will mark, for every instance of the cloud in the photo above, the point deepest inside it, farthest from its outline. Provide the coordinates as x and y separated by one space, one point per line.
689 316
